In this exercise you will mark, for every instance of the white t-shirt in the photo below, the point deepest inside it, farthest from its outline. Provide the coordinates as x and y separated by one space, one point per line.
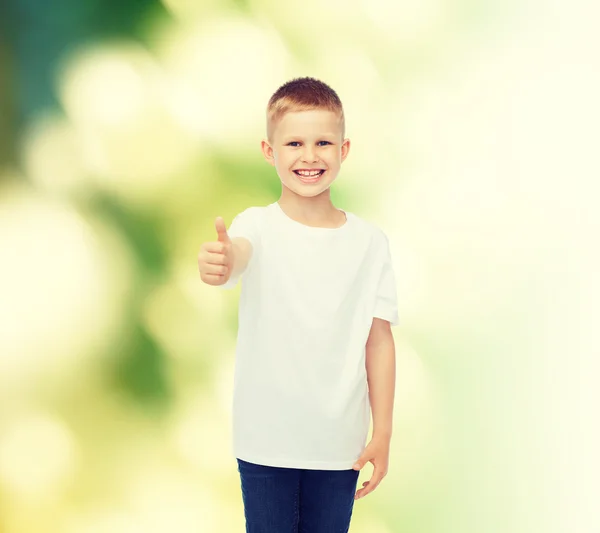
306 306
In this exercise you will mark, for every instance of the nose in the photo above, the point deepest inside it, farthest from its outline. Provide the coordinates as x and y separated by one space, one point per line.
309 156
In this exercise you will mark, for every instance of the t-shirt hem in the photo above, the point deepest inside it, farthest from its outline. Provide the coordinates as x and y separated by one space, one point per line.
296 463
387 313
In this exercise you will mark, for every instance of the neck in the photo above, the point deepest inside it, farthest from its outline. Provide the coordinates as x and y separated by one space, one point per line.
314 211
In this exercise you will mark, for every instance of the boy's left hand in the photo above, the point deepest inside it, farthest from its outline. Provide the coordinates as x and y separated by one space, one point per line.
378 453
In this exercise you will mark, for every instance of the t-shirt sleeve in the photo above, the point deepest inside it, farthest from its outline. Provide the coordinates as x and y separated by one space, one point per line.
386 302
245 224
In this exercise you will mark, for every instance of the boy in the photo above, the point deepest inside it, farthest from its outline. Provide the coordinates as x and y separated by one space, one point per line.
315 350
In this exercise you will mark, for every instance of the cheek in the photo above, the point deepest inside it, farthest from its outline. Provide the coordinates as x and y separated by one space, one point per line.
285 161
280 160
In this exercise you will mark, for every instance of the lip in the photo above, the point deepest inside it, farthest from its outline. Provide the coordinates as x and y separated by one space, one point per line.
311 180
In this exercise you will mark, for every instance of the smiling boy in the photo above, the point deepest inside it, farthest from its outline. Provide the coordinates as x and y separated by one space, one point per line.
315 353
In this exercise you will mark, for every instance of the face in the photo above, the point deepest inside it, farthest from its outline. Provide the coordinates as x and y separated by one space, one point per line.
307 141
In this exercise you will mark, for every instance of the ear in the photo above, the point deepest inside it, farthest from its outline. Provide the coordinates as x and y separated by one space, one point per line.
345 148
267 151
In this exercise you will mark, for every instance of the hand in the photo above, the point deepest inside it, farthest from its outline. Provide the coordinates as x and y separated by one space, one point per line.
215 259
378 453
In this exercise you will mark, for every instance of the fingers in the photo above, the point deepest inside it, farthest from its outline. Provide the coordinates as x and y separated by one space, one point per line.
368 487
213 254
213 263
214 259
213 274
212 279
371 485
219 269
221 230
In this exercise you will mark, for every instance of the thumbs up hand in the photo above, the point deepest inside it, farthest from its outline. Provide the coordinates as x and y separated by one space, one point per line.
222 231
216 258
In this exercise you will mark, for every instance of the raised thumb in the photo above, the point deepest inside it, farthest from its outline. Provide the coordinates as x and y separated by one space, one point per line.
222 230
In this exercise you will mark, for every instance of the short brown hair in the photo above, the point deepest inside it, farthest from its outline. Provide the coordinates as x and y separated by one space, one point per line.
302 94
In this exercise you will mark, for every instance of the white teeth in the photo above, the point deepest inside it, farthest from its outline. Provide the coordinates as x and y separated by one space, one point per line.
309 174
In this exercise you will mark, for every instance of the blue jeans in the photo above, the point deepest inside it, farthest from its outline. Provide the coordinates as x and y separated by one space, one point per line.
296 500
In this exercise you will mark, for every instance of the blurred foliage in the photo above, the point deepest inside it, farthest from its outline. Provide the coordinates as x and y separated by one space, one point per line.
37 34
127 127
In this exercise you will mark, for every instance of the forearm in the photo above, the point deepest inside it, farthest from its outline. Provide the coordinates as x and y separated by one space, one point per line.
238 267
241 253
381 377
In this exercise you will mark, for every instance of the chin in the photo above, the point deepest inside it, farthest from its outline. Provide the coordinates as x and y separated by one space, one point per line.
309 191
312 194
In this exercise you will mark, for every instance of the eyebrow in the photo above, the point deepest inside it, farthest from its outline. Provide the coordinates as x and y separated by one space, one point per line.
323 136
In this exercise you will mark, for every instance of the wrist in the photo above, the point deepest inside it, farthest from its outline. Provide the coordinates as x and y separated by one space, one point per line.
382 435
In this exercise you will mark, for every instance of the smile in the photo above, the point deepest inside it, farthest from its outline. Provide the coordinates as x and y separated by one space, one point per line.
309 176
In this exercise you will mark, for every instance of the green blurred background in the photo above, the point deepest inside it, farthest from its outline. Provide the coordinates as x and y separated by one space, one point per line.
126 128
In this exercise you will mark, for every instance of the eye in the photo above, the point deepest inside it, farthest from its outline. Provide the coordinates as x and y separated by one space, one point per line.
297 142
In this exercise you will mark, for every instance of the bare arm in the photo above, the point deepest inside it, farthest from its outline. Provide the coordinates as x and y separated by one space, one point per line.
381 376
242 253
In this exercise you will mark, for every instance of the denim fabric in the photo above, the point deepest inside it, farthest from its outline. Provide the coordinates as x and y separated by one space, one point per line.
296 500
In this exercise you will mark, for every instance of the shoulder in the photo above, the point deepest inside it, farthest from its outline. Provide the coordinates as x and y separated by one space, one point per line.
251 211
371 230
257 211
252 215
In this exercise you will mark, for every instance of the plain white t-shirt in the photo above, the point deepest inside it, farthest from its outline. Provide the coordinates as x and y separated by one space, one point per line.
308 299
